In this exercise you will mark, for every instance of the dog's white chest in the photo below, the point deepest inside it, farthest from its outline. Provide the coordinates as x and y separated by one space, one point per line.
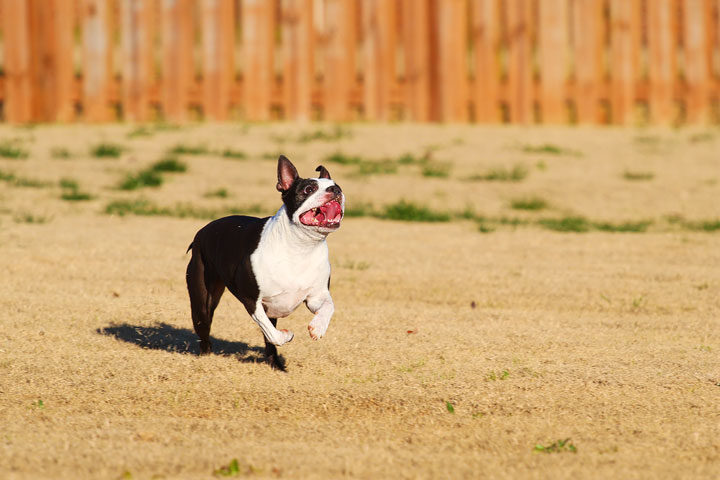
287 273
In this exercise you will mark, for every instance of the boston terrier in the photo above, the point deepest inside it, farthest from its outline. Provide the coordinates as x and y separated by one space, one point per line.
270 264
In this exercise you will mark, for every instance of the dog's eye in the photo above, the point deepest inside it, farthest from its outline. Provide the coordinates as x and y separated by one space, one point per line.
309 189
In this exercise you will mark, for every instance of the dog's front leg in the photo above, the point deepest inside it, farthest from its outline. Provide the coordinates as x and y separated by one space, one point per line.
322 306
274 336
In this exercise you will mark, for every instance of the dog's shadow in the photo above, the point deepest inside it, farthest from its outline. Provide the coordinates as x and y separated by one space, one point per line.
163 336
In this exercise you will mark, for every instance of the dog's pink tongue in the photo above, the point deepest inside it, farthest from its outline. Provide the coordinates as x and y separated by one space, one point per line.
331 209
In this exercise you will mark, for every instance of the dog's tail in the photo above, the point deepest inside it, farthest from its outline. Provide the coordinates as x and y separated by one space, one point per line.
189 247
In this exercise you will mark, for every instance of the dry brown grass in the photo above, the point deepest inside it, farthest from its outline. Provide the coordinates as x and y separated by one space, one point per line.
611 340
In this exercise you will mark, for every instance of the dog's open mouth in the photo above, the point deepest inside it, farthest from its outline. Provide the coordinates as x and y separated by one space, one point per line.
327 215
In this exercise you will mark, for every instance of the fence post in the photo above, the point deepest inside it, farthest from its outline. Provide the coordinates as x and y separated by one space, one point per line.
17 50
416 18
177 45
217 35
51 60
588 53
624 58
519 64
137 50
258 41
297 38
96 61
662 64
339 67
379 66
452 66
486 35
697 60
553 59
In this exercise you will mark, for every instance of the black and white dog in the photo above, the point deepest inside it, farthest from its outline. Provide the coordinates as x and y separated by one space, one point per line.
270 264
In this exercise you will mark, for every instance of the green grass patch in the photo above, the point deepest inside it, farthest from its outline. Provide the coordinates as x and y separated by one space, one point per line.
31 218
333 135
701 137
60 153
556 447
623 227
169 164
702 225
344 159
502 174
436 170
582 225
107 150
529 203
219 193
15 181
234 154
381 167
144 207
363 166
140 131
566 224
75 196
182 149
638 176
550 149
71 191
409 212
10 149
143 178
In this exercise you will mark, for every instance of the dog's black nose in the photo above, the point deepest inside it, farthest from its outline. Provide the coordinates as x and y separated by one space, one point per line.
334 189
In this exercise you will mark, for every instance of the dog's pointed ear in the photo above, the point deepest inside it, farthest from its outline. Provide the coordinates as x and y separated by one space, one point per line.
287 174
323 171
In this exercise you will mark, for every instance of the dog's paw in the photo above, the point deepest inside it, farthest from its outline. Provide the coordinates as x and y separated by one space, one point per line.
288 335
284 337
317 330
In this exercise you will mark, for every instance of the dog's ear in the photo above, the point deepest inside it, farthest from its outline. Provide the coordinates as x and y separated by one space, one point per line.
287 174
323 171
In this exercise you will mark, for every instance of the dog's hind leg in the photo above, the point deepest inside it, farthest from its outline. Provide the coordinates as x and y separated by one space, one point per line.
205 289
271 353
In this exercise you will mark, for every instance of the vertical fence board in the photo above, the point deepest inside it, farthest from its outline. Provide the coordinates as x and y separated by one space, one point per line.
697 59
520 61
96 60
297 23
217 42
379 48
486 35
624 58
416 18
17 52
177 43
662 64
137 49
452 68
553 59
257 36
587 36
339 67
55 70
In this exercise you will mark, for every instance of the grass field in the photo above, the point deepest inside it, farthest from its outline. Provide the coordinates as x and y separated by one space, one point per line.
510 303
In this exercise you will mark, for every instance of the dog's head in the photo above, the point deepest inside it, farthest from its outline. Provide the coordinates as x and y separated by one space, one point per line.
313 203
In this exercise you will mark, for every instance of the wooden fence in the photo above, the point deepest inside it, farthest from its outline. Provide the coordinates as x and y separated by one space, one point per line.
485 61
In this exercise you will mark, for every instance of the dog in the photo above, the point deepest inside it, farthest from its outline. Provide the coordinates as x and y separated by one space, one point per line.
270 264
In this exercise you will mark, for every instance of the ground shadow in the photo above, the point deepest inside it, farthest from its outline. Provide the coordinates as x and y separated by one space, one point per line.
163 336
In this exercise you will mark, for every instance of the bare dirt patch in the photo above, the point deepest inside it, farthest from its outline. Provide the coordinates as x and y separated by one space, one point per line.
453 353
